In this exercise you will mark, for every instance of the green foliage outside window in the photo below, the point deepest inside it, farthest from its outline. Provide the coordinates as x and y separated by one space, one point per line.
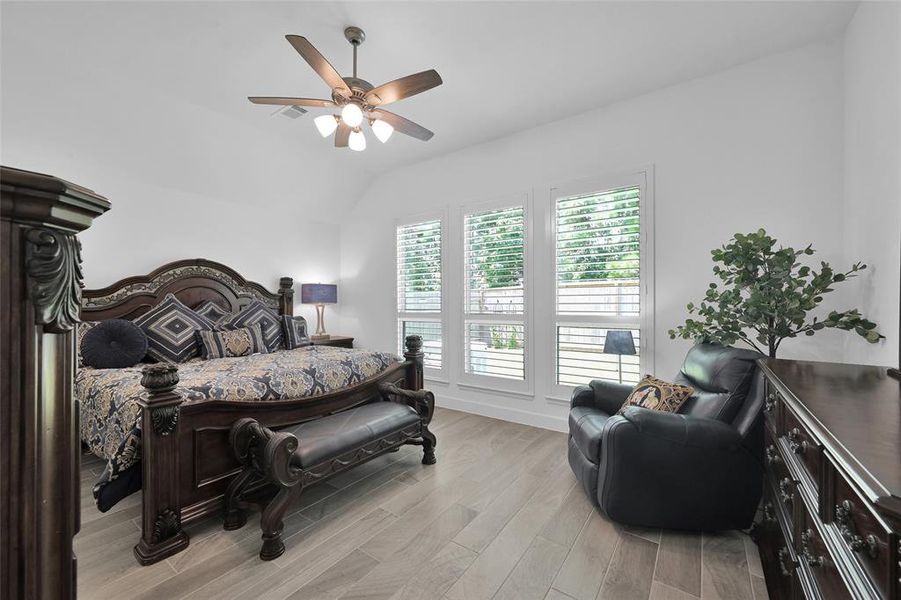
496 245
586 252
422 259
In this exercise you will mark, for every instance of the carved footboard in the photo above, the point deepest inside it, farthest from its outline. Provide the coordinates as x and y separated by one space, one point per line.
187 462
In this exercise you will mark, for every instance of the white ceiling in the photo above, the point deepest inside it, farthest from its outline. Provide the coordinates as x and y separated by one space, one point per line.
506 66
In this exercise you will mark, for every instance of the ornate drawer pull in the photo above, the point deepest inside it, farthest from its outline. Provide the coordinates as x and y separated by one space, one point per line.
769 515
770 403
772 455
786 490
786 564
797 445
845 523
806 554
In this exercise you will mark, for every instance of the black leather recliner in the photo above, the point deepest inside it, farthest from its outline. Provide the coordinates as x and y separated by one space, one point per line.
699 469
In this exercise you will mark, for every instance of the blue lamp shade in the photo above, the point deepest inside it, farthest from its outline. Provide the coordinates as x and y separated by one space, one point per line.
619 341
319 293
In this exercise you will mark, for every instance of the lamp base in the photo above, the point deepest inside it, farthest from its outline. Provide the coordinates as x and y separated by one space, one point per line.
320 335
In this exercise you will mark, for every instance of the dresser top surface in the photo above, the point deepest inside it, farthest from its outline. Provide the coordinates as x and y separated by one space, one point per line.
860 406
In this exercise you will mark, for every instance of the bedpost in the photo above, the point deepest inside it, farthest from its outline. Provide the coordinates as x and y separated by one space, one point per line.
286 296
161 533
414 356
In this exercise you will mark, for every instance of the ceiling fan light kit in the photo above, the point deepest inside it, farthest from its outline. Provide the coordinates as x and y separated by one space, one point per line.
356 99
326 124
381 130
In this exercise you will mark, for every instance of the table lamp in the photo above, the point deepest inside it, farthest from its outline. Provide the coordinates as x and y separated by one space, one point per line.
619 342
319 294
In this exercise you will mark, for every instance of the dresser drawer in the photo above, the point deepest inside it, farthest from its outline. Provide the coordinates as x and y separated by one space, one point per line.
862 533
771 406
807 452
784 486
777 553
814 559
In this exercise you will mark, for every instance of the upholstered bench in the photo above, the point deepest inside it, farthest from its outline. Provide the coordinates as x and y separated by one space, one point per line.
293 459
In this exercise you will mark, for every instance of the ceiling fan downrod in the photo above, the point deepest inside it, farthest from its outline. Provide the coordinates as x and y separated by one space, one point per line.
355 36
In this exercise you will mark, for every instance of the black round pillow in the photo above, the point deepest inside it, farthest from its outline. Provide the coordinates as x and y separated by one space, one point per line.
113 344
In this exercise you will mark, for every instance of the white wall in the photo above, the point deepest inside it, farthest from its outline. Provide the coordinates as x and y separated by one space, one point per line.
872 166
759 145
184 181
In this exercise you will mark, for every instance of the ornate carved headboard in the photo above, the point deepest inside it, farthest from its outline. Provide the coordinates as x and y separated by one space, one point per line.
193 281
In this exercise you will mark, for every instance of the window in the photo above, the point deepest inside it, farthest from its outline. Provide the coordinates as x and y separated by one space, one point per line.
599 281
419 299
494 302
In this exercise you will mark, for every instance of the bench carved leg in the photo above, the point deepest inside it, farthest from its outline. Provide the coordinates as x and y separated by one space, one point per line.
429 441
235 515
423 402
272 525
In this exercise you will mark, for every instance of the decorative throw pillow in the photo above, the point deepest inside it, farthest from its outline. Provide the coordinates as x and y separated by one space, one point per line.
295 331
170 327
113 344
257 312
211 311
231 342
656 394
83 328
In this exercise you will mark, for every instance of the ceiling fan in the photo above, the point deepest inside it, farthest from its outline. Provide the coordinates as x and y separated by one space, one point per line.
357 99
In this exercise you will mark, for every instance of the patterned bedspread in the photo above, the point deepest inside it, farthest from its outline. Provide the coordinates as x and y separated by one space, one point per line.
111 419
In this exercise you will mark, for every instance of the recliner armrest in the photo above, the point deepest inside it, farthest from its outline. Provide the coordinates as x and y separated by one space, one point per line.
607 396
684 430
582 396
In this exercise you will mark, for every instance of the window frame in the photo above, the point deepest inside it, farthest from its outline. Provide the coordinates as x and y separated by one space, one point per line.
490 383
439 316
643 179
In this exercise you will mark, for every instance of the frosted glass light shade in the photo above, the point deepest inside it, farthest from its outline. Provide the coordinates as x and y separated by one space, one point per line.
351 115
326 124
357 141
382 130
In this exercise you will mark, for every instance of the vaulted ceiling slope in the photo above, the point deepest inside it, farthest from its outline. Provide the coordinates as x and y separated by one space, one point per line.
176 75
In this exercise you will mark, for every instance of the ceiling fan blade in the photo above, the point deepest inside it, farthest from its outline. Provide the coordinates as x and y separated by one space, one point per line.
284 101
342 135
405 126
403 87
319 64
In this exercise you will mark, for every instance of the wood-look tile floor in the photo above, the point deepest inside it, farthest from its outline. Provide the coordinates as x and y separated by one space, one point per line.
500 516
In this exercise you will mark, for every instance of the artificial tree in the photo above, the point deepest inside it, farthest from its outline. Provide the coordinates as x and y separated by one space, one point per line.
765 296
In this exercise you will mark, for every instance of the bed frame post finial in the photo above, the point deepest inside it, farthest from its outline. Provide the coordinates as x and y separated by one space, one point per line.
286 296
161 532
414 355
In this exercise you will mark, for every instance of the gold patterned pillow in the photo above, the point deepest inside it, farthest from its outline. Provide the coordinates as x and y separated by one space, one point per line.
232 342
656 394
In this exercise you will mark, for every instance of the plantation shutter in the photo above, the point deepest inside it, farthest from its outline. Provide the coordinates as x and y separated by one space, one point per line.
494 293
419 282
598 243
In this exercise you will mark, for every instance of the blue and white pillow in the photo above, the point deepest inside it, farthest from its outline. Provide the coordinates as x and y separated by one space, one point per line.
170 327
211 311
257 312
295 332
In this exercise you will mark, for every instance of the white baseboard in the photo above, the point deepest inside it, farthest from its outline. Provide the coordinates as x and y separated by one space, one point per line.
515 415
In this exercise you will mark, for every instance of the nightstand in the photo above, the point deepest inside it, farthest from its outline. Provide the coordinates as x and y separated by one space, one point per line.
342 341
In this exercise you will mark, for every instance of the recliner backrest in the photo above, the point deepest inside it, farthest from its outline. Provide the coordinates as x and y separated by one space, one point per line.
722 378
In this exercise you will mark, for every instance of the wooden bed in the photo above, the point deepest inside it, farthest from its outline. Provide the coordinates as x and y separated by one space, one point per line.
186 459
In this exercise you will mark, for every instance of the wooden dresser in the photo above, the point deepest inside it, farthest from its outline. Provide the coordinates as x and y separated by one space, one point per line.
831 514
